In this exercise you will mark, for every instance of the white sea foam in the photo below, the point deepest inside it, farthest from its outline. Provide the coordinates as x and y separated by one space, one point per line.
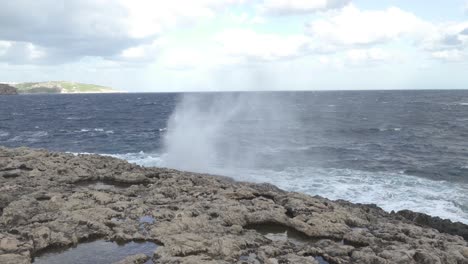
391 191
141 158
84 130
4 133
29 136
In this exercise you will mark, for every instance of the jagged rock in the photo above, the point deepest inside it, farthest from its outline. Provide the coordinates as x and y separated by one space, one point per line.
6 89
443 225
135 259
57 200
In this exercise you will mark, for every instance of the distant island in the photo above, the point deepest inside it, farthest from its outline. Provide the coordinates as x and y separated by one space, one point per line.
63 87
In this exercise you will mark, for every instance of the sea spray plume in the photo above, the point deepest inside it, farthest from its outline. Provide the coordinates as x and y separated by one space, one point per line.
223 132
195 128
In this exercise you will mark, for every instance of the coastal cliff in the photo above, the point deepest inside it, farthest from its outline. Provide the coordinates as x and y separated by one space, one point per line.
51 201
6 89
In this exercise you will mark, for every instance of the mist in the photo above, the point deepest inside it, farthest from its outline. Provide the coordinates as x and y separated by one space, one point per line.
227 132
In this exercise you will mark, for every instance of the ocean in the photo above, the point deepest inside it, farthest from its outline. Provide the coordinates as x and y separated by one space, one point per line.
396 149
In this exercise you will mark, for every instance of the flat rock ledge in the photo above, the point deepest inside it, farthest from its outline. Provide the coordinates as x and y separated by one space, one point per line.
56 200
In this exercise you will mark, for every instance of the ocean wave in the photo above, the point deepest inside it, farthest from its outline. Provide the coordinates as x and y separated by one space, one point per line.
29 136
78 117
141 158
366 131
4 133
86 130
391 191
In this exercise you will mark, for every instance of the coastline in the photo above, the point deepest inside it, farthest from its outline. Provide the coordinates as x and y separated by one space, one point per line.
54 200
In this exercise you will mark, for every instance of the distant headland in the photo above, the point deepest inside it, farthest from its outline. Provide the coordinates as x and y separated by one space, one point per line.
60 87
6 89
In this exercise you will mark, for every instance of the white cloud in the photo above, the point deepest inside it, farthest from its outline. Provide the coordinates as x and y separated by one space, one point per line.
110 29
20 52
362 57
4 46
364 35
452 55
142 53
251 45
351 26
447 36
183 58
149 17
245 18
357 56
292 7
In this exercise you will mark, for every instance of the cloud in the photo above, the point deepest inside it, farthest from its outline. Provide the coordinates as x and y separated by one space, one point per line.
20 52
294 7
448 36
359 33
245 18
111 29
452 55
255 46
352 27
358 56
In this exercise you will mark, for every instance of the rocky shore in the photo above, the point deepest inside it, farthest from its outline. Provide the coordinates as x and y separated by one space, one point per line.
6 89
53 201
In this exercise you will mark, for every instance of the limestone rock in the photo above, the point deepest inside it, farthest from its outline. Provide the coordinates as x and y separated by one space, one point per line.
6 89
57 200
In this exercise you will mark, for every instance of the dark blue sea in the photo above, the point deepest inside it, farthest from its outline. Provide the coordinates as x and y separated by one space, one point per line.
397 149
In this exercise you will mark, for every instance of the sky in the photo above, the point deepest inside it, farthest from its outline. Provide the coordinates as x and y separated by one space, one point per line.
226 45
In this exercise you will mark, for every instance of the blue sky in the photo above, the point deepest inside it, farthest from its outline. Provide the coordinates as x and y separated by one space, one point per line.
222 45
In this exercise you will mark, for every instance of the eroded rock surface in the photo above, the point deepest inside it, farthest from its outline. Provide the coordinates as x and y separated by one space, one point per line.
54 200
6 89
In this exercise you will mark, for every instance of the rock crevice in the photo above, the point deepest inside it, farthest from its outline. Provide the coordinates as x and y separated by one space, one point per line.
62 199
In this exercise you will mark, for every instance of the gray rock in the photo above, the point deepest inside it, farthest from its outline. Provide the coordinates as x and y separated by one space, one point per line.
56 200
6 89
135 259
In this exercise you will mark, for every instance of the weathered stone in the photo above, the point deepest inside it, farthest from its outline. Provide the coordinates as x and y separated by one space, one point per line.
135 259
6 89
55 200
14 259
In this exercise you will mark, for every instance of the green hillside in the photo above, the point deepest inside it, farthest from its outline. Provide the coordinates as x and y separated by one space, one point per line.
62 87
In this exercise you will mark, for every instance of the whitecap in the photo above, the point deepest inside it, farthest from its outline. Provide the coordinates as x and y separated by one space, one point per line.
4 133
29 136
391 191
141 158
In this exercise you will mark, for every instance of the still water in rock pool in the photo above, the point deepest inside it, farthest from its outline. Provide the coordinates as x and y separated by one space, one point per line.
97 252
